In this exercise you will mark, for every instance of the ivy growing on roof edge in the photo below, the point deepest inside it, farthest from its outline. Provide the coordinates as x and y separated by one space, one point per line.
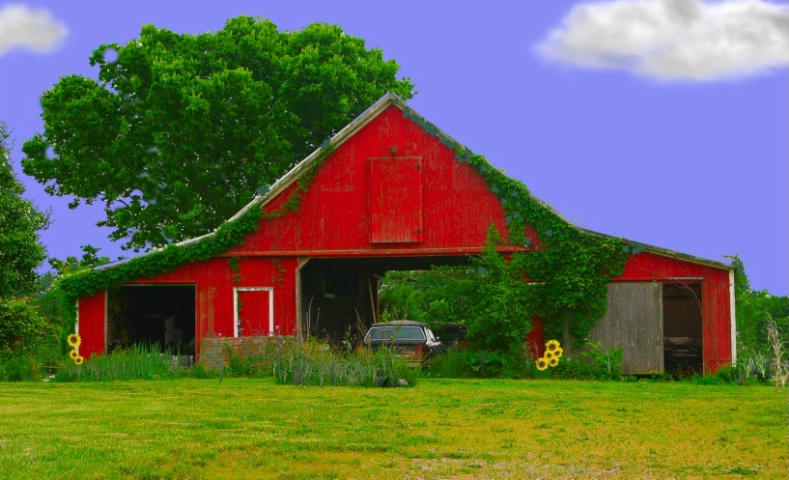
571 269
229 234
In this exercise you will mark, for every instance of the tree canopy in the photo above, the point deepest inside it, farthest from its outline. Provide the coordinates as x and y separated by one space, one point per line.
180 131
20 250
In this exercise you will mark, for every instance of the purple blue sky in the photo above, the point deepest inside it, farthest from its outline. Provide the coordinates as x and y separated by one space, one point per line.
661 121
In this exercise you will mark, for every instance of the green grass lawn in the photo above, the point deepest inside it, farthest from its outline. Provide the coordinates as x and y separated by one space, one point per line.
253 428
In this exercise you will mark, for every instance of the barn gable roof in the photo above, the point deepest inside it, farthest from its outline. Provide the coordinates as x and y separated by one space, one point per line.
329 145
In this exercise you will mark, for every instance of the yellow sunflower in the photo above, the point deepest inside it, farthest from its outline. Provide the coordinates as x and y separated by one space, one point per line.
542 363
548 355
74 340
558 352
553 361
73 354
551 345
79 360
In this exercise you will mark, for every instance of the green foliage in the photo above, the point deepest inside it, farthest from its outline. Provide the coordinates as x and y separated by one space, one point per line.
492 298
754 311
452 364
594 362
726 373
56 309
139 362
23 331
90 259
570 269
30 364
180 131
20 250
476 363
316 363
489 296
436 296
21 325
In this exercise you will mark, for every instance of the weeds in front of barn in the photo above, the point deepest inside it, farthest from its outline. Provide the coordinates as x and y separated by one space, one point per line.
459 428
138 362
312 363
322 363
316 363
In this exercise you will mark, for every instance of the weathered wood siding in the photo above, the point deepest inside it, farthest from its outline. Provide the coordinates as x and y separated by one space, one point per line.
634 323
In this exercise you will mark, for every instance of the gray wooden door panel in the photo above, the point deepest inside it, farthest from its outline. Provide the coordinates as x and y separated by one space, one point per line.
634 323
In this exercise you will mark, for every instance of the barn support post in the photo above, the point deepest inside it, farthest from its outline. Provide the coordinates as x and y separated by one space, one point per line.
373 299
301 263
733 319
76 318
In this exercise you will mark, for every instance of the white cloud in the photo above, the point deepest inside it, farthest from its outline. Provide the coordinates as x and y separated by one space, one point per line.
25 28
674 40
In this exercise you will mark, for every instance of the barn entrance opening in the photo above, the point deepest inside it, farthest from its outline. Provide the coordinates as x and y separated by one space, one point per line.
162 315
339 296
683 342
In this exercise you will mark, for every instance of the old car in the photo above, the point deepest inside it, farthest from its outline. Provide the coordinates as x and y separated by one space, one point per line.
409 339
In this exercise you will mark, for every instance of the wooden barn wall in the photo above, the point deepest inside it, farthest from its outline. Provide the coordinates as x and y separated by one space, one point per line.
215 282
335 214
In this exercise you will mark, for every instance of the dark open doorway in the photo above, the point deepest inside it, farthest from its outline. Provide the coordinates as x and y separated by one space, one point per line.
145 314
683 342
339 296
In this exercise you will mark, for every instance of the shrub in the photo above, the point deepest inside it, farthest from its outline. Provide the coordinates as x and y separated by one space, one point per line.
595 362
20 325
727 373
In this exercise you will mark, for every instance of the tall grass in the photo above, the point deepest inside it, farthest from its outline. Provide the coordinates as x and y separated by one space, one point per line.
317 363
138 362
313 363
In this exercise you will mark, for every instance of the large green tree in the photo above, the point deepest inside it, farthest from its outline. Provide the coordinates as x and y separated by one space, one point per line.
180 131
20 250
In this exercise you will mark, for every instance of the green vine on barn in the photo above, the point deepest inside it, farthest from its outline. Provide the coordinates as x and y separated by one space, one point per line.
570 268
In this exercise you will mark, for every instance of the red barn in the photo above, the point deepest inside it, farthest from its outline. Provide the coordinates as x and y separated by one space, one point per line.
386 193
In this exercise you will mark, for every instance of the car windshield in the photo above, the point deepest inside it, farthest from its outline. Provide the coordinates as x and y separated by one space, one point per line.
397 332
